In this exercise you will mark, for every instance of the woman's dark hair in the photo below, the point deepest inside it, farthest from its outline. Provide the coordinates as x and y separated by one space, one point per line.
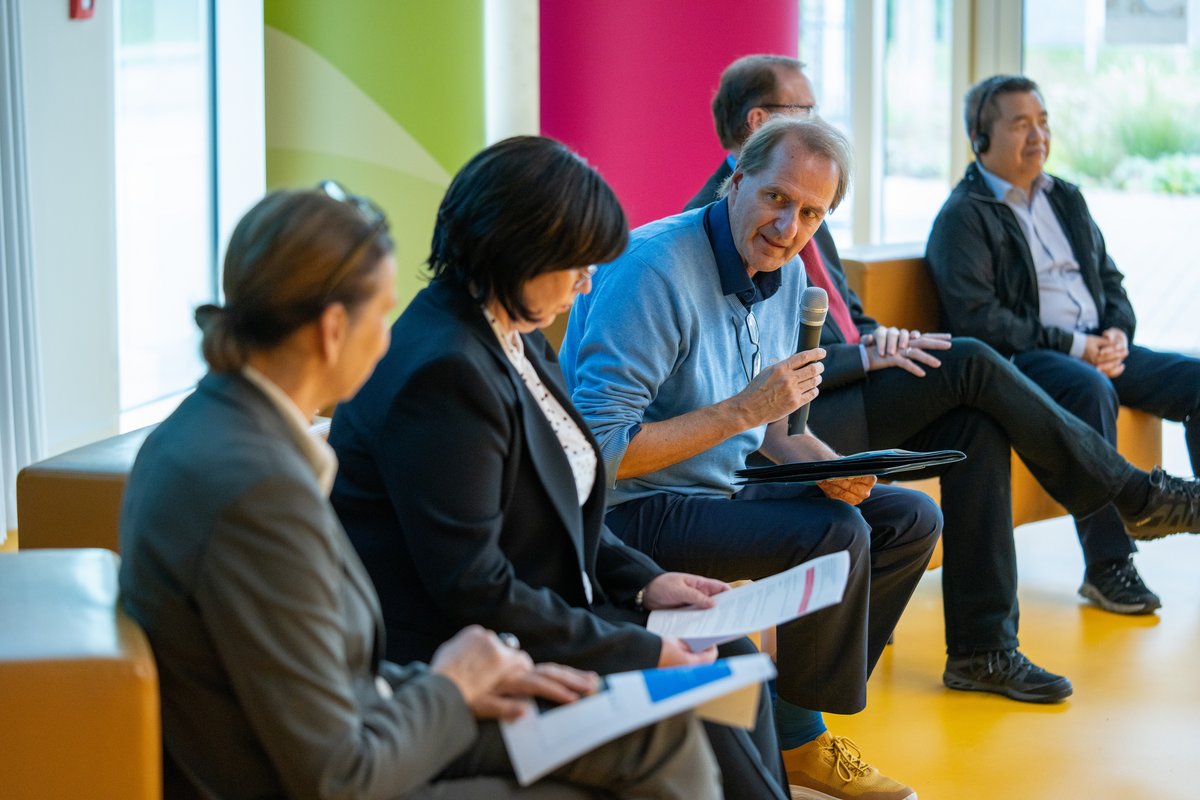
522 207
291 256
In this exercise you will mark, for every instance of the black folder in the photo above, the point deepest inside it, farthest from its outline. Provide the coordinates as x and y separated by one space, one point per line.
872 462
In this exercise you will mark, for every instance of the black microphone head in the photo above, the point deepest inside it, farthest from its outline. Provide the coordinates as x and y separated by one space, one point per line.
814 303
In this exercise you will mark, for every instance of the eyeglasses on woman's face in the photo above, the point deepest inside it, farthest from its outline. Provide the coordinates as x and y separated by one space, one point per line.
583 275
551 293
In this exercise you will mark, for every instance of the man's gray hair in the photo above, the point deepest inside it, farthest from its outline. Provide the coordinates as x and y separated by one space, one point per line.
814 135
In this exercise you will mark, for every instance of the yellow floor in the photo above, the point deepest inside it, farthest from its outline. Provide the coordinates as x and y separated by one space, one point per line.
1131 730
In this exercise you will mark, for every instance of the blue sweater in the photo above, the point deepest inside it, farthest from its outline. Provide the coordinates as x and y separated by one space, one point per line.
657 338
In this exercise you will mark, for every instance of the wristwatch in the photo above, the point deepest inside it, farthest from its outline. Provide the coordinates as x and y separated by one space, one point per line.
639 599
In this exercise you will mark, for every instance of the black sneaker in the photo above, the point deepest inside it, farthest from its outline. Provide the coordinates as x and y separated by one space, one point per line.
1006 672
1116 586
1174 507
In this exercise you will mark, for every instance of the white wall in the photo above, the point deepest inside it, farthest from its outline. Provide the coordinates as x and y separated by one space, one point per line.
70 111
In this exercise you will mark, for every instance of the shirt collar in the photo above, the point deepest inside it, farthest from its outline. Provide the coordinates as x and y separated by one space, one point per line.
316 450
730 268
1001 188
510 341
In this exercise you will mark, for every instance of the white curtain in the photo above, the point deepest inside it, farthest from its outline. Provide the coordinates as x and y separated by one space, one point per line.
22 434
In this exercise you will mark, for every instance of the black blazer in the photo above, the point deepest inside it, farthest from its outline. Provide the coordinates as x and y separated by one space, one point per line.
708 192
455 491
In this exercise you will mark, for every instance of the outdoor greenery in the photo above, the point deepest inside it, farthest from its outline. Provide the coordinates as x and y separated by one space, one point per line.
1128 120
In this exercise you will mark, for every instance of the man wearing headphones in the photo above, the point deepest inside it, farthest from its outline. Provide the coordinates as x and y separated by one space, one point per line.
1020 264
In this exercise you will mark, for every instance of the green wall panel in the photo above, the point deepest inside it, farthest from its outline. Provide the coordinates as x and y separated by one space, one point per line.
411 204
385 96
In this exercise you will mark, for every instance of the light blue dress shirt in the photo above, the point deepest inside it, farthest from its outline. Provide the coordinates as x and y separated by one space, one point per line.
1063 296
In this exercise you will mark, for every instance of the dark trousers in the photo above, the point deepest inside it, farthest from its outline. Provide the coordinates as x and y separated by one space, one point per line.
1166 385
980 403
750 763
824 658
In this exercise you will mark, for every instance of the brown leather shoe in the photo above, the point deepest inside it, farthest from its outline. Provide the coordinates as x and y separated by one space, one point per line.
831 768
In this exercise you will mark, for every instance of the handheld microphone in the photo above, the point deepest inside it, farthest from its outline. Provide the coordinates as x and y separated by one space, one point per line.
814 304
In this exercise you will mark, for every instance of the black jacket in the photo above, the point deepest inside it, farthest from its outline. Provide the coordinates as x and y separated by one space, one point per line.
458 496
984 272
708 192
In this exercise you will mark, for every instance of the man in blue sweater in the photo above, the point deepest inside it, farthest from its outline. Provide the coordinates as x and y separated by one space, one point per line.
682 359
889 387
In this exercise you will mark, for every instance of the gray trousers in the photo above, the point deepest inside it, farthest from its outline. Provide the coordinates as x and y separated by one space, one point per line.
671 759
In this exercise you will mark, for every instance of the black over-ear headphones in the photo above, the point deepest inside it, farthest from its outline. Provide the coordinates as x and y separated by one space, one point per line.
981 141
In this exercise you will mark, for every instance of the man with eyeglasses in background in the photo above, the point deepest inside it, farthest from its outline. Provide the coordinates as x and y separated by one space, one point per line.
682 360
752 90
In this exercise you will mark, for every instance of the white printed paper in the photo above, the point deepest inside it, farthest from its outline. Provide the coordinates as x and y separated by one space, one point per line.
771 601
539 741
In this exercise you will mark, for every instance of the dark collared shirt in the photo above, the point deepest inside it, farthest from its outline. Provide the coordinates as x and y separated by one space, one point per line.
730 267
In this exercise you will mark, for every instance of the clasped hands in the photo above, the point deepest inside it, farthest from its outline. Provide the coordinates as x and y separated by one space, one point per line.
908 350
1108 351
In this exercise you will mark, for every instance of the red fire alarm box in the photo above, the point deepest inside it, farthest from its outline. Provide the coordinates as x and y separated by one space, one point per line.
82 9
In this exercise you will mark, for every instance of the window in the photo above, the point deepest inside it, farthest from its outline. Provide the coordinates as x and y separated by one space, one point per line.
164 199
827 47
1125 113
917 118
881 70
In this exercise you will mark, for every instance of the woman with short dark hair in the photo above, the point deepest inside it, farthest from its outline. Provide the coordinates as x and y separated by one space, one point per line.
264 624
519 209
469 484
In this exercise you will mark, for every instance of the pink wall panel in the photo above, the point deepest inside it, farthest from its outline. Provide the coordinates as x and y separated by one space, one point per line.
628 84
